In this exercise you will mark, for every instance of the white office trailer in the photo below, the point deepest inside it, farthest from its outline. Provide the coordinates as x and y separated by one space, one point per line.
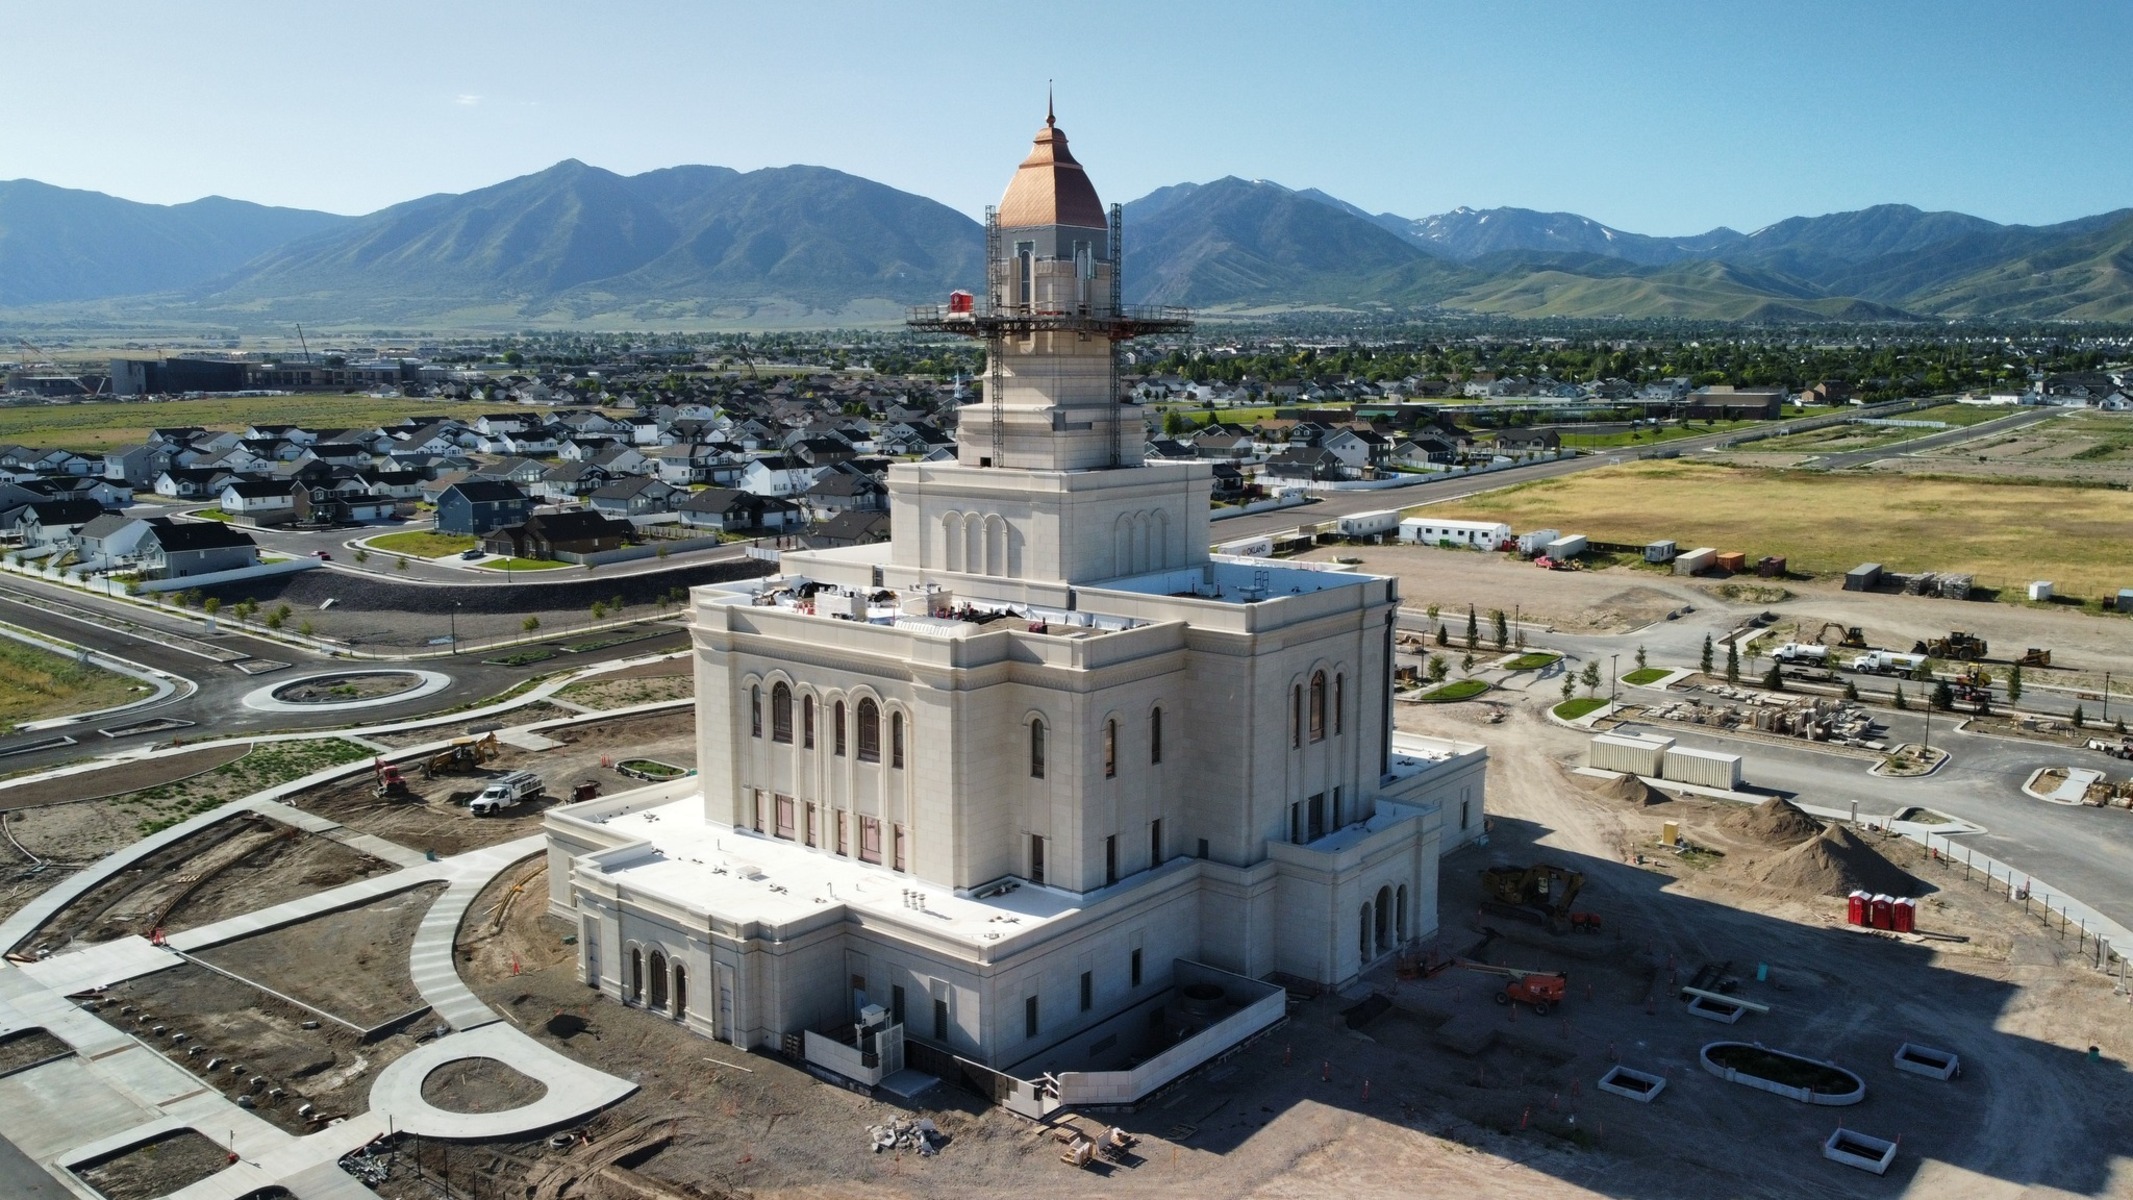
1630 754
1372 524
1692 562
1436 531
1530 544
1704 768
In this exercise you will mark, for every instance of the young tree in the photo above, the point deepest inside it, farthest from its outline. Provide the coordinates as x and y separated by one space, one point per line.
1570 686
275 620
1640 658
1438 668
400 564
1943 696
1775 679
1503 628
362 555
1732 662
599 609
1851 690
1444 636
211 605
1706 654
1900 701
530 624
2014 683
2080 718
1590 677
1473 628
306 629
1466 664
1432 614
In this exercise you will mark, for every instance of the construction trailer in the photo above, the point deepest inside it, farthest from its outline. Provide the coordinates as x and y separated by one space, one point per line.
1660 552
1374 524
1530 544
1695 562
1703 768
1435 531
1629 754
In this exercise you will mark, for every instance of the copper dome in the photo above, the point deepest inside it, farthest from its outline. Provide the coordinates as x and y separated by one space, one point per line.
1050 188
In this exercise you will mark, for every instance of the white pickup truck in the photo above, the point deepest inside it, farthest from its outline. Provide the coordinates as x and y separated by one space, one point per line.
505 791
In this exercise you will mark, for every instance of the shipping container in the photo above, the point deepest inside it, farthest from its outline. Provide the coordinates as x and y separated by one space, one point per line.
1862 578
1630 755
1733 562
1694 562
1704 768
1530 544
1568 546
1258 547
1771 566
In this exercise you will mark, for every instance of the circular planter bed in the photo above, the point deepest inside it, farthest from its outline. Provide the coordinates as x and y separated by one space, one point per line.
1793 1076
1464 689
650 769
347 687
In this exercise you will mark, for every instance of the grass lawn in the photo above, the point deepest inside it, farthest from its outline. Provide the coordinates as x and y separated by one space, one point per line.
1464 689
1571 710
522 564
423 543
102 424
1644 675
1822 523
36 683
1647 435
1531 662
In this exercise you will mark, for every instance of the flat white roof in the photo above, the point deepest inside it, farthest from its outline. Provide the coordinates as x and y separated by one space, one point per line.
1241 581
746 876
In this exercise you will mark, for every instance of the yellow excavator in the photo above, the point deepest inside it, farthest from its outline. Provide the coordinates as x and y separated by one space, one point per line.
463 754
1538 893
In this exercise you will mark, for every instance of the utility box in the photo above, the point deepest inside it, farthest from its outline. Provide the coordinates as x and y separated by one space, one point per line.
1567 546
1704 768
1630 755
1695 562
1670 833
2040 590
1862 578
1660 552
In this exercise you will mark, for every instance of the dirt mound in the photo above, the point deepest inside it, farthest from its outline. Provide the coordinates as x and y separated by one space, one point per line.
1774 822
1838 863
1626 788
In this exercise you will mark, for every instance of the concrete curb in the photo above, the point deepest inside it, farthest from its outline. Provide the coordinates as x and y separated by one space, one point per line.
165 685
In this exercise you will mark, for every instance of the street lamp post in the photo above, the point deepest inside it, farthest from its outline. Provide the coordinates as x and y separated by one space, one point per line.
455 626
1614 678
2106 695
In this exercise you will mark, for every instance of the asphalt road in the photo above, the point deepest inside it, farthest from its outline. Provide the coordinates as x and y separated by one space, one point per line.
217 706
1932 441
22 1179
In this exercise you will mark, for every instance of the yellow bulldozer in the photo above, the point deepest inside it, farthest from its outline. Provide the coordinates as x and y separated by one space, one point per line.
463 754
1539 893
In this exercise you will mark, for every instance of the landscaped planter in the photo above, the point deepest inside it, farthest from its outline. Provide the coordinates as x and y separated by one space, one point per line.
1855 1149
650 769
1793 1076
1635 1085
1715 1010
1926 1061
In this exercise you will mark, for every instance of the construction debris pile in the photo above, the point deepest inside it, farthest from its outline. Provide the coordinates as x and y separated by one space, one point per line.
905 1133
1929 583
1814 718
2105 793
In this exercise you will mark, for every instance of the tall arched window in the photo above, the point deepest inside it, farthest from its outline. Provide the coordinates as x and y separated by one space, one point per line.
1110 749
1340 691
681 990
1296 715
896 740
658 998
636 980
807 722
1036 748
837 729
755 712
869 731
1318 706
780 713
1155 736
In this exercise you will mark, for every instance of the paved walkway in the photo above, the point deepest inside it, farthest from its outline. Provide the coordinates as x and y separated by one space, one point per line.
573 1089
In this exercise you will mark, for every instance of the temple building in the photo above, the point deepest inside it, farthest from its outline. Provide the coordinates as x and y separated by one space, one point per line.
1039 789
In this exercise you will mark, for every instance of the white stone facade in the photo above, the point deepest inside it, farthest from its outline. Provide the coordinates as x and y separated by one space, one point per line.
999 774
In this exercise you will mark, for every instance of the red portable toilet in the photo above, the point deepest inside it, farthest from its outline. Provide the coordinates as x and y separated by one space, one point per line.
1904 915
1855 913
961 302
1884 912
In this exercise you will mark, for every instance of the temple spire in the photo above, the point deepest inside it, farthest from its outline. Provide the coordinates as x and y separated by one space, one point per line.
1048 118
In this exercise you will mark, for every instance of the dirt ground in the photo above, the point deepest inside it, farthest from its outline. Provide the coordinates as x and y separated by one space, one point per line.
229 1024
647 683
1572 601
439 821
351 963
175 1160
29 1047
480 1085
233 866
120 778
2091 448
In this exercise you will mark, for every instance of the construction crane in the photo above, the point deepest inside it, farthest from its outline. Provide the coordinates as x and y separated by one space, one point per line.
301 342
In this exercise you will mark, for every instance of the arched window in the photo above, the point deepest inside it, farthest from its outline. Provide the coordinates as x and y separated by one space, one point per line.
681 990
1036 748
1155 736
1362 935
896 740
807 723
1110 749
1340 691
1399 913
1318 706
1383 922
755 712
658 997
780 713
837 729
1296 715
636 979
869 731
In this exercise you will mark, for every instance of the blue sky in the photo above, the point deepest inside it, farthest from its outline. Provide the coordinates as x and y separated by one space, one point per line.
1657 117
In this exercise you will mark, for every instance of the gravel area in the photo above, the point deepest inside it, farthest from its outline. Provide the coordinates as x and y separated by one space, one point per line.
120 778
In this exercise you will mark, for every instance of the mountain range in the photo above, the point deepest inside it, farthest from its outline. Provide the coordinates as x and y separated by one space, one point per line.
696 246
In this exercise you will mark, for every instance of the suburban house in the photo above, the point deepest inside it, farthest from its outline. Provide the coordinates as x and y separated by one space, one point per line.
729 510
258 502
113 538
547 535
183 549
345 502
476 506
850 529
842 492
55 522
635 498
1723 402
1524 441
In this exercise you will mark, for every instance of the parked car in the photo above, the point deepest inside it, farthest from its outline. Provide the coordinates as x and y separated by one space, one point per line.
471 552
321 554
